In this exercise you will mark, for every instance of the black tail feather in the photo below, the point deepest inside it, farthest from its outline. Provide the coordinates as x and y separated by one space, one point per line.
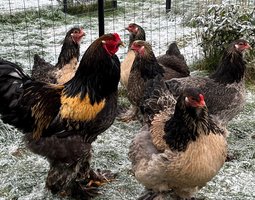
12 79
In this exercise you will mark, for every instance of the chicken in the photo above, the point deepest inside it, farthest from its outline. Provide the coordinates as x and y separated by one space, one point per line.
144 68
225 88
172 61
67 63
60 122
136 32
181 148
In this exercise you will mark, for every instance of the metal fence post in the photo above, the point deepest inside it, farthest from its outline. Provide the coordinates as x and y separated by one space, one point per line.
168 5
101 17
65 5
114 3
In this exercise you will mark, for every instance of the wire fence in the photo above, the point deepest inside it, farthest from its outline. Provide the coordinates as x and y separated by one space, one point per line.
39 26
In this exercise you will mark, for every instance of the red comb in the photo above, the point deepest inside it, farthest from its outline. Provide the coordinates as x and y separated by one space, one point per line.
117 37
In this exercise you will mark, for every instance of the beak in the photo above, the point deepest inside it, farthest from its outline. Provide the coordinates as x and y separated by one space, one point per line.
122 44
202 104
248 46
83 33
202 101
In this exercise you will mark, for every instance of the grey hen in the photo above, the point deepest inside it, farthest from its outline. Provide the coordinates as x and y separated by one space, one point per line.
224 90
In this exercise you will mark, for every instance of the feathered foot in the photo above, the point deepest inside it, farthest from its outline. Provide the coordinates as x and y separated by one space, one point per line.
128 115
88 187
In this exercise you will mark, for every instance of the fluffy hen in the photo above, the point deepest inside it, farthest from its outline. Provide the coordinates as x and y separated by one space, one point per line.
181 148
144 69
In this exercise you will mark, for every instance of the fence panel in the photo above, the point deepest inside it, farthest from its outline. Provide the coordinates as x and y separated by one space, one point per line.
30 27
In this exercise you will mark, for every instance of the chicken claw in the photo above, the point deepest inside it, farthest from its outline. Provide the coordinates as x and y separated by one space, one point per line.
99 178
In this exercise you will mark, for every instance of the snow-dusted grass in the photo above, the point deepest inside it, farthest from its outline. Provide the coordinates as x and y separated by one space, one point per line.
23 173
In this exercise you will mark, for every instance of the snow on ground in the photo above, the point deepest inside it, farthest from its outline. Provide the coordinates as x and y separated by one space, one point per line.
8 6
23 173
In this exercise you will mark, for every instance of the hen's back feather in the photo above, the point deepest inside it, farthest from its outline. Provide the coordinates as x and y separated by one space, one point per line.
173 63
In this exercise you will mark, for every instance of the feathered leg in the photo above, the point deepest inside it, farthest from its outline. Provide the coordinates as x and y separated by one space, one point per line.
77 180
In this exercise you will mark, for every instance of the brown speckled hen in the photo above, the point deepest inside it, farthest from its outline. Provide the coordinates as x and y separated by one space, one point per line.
224 90
144 68
67 63
172 61
60 122
181 148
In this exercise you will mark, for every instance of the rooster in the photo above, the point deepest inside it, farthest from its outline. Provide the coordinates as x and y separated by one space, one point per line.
67 63
225 88
181 148
60 122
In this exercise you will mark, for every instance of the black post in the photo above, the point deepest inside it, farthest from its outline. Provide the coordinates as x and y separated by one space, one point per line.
114 3
65 5
101 17
168 5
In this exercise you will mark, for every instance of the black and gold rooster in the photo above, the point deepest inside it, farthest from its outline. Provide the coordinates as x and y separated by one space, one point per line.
61 121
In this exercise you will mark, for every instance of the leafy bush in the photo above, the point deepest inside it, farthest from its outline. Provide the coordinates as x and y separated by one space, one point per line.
221 25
